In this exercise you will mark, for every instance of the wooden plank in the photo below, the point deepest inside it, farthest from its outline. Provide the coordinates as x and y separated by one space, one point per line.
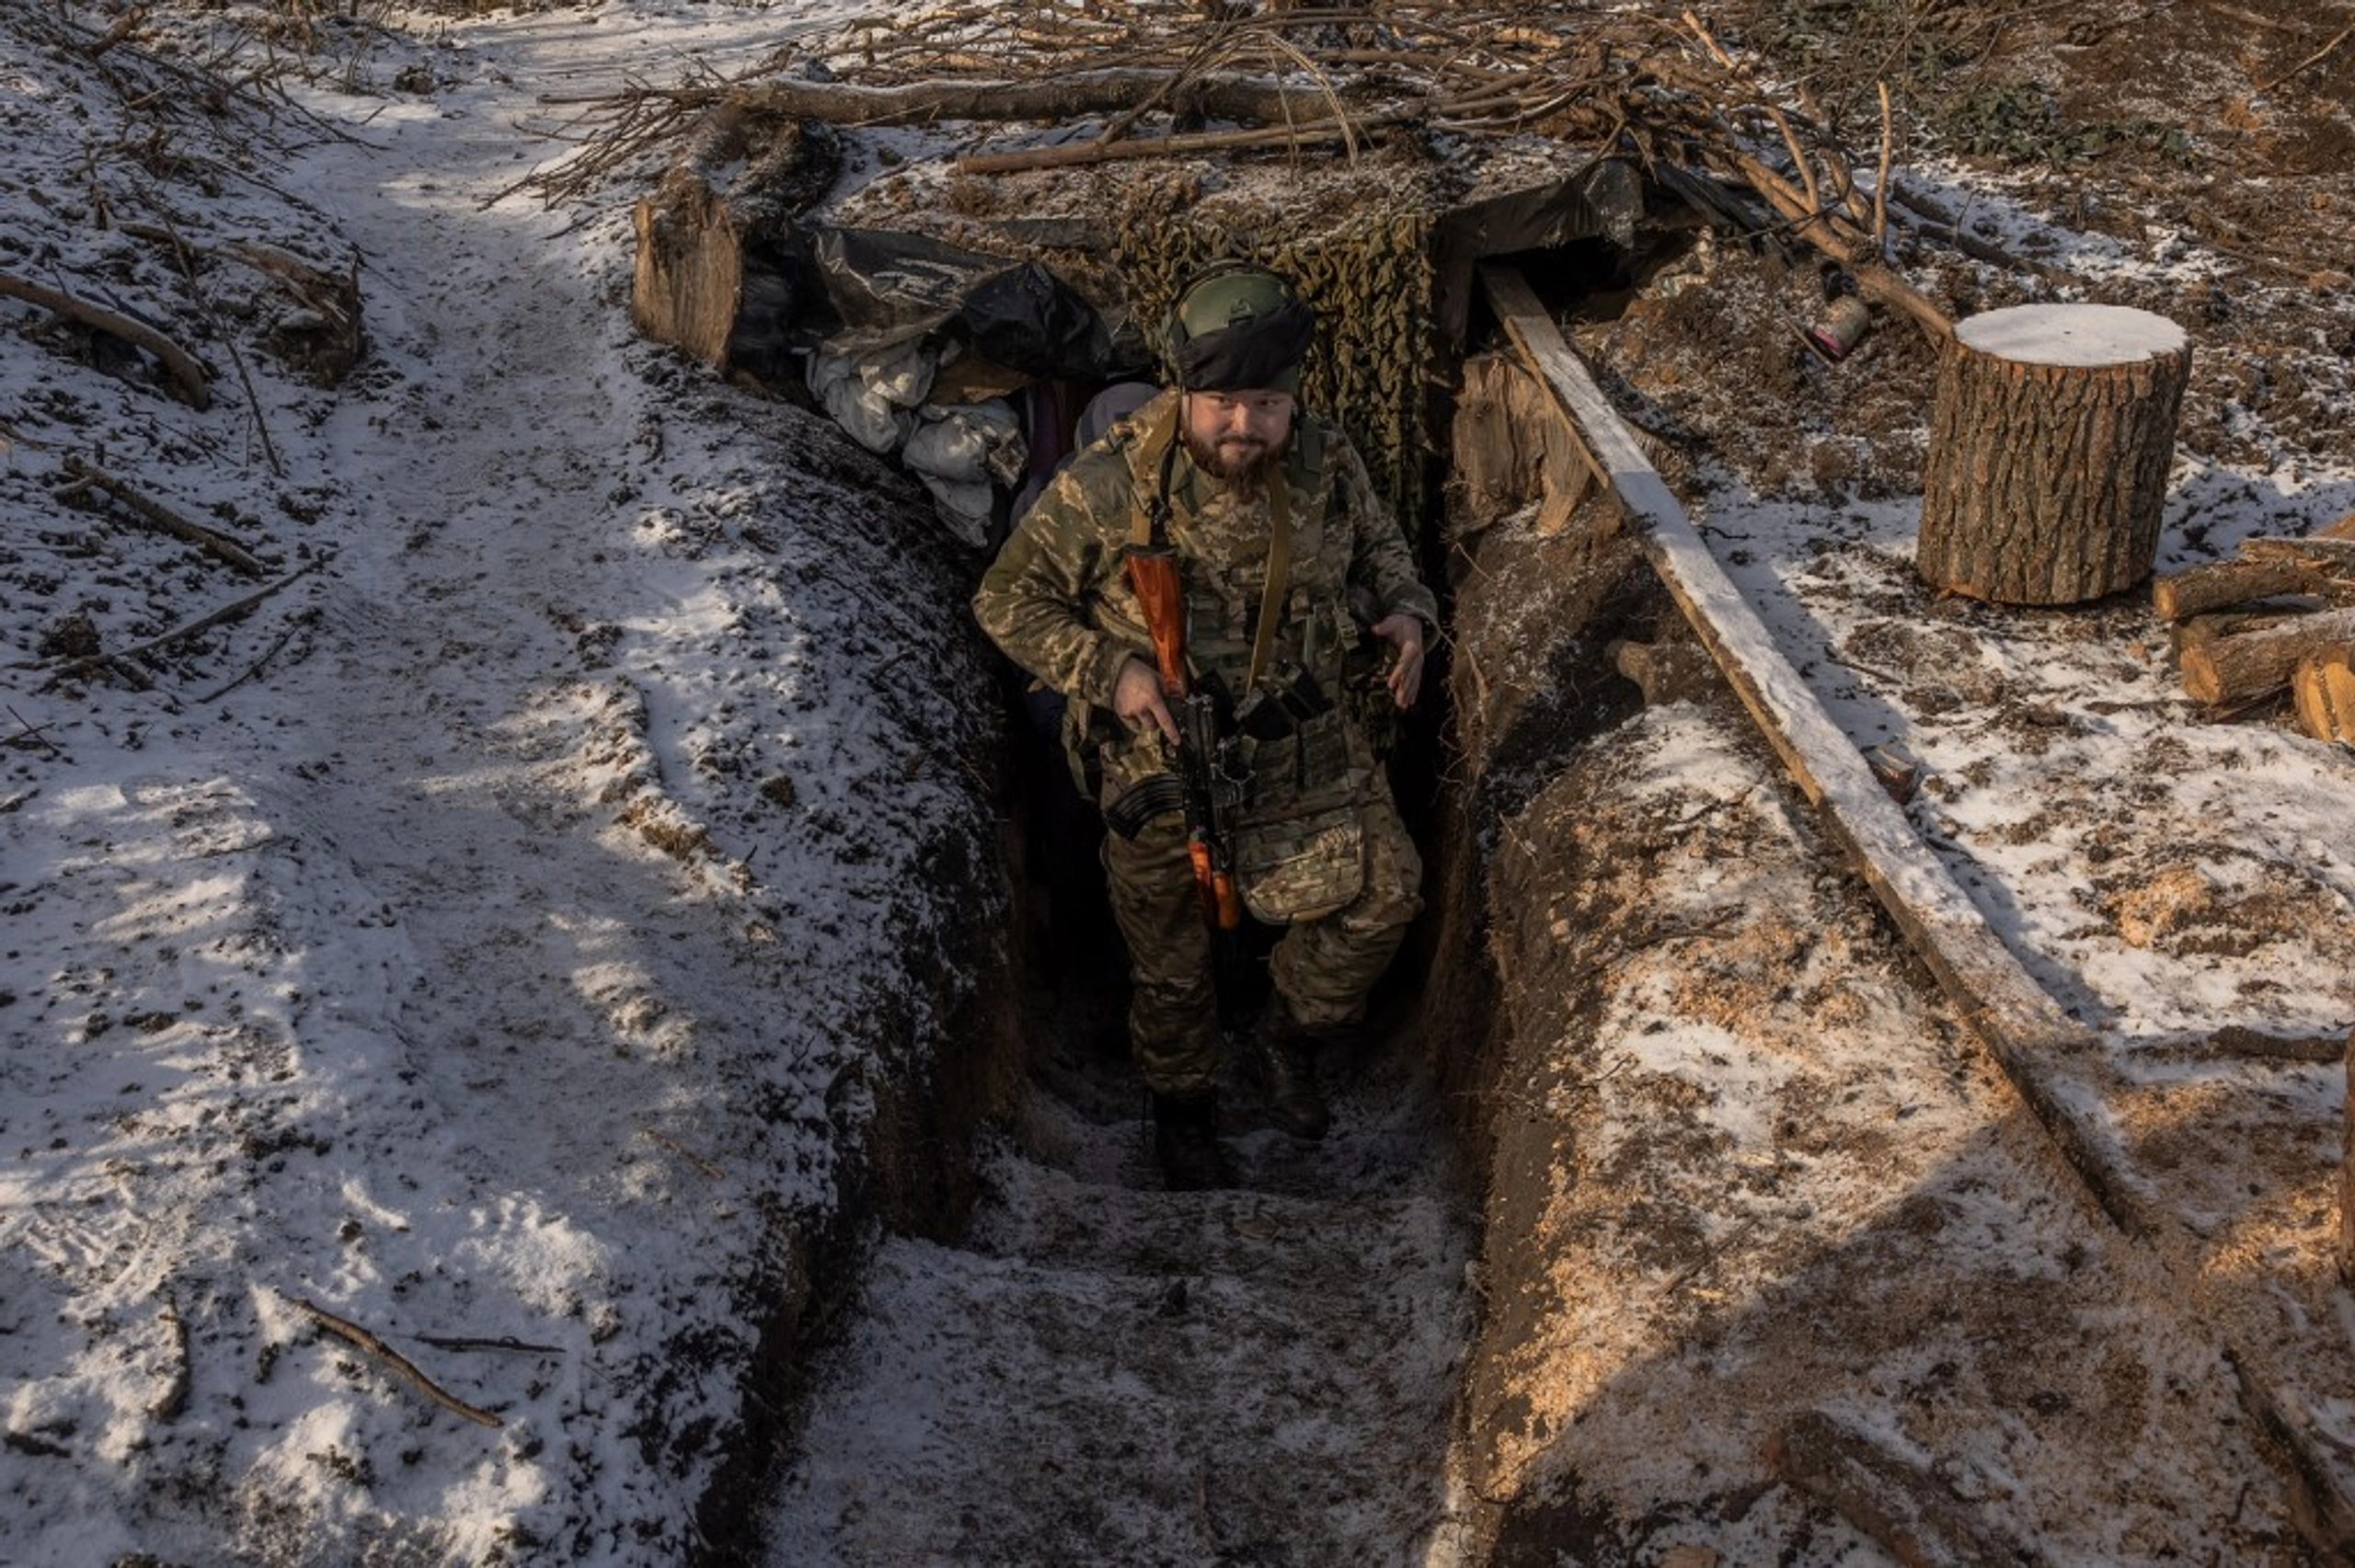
1978 972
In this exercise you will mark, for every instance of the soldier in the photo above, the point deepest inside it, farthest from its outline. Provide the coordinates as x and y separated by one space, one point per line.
1288 559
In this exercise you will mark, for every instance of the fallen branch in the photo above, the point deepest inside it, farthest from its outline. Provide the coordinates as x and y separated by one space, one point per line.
1874 280
177 360
229 611
251 670
31 735
2238 1041
2311 60
353 1334
504 1342
219 545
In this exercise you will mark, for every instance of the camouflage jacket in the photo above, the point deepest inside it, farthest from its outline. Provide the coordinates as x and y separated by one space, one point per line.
1057 598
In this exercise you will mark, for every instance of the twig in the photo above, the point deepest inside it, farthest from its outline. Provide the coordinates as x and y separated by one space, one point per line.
683 1152
229 611
251 670
178 362
1880 180
211 543
228 339
2316 57
353 1334
32 732
504 1342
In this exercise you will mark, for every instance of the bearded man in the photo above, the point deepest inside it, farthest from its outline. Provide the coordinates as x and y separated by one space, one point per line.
1288 562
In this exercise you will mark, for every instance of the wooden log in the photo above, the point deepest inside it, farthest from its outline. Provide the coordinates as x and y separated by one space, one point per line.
2196 590
2320 554
1251 99
2050 438
2231 666
708 276
2342 529
2324 686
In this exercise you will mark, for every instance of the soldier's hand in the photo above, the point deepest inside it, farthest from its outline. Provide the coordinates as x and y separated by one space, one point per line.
1404 633
1137 699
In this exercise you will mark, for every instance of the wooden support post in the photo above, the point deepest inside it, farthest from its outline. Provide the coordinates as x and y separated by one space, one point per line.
2050 443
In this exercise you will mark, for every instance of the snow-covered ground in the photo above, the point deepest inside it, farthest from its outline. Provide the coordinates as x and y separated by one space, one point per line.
495 967
492 944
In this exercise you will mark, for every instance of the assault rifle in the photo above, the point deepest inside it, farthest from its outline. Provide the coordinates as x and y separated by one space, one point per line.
1211 786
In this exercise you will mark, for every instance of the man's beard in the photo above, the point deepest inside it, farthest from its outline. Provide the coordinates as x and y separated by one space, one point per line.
1243 466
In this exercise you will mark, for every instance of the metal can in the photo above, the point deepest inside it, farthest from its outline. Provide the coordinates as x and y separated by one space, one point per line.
1840 328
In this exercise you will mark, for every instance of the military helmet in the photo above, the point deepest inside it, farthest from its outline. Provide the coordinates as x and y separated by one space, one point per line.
1237 327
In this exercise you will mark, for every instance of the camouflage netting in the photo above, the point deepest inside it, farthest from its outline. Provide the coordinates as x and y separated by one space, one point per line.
1369 278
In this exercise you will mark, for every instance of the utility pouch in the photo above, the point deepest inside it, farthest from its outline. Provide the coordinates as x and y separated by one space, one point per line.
1302 869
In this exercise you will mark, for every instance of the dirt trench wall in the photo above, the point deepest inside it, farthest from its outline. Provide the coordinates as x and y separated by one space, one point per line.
1773 1258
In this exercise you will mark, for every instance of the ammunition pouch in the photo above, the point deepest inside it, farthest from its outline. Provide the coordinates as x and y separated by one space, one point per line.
1290 698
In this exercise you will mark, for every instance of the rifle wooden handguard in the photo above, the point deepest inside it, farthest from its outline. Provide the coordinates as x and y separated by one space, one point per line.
1153 577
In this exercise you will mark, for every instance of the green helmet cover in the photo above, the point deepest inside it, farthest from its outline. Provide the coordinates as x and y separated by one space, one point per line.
1239 330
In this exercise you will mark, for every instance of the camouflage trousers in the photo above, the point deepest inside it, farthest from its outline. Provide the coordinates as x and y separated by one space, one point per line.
1323 968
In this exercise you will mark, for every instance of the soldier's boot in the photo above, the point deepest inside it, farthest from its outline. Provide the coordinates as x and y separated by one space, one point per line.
1287 1062
1185 1141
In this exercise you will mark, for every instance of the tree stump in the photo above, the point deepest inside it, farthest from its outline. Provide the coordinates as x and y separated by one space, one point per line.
713 273
2049 444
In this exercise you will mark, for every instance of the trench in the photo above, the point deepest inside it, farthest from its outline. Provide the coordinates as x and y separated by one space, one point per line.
1611 1225
1087 1369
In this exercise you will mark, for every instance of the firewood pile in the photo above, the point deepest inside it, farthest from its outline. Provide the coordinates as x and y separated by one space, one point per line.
2279 616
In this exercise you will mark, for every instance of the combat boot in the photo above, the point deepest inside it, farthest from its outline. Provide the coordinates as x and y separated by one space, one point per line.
1287 1061
1185 1140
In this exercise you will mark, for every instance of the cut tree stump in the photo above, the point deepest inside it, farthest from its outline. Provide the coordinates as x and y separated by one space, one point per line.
2323 685
2050 443
708 276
